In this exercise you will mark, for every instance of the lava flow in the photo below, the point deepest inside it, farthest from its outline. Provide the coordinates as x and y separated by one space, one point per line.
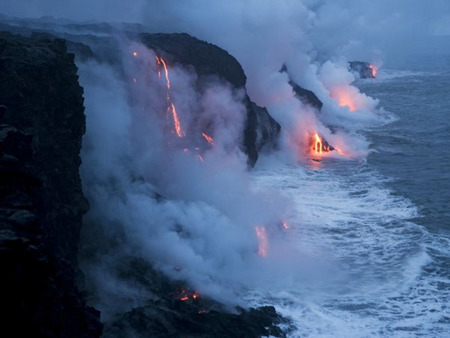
170 105
374 70
318 146
186 295
176 121
160 61
262 239
208 138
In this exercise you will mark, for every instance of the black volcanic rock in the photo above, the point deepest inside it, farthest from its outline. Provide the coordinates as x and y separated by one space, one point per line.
166 315
206 58
41 201
267 129
210 60
189 320
306 96
363 69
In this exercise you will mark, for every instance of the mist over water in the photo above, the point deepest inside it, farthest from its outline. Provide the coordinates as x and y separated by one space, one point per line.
384 220
366 249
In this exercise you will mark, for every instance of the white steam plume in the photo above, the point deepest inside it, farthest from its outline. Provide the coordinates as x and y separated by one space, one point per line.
202 229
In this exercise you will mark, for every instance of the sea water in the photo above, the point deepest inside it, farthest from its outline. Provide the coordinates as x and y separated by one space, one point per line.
384 222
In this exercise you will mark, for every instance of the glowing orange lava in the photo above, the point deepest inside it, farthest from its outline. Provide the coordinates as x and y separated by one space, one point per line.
319 146
186 295
160 61
176 121
374 69
208 138
170 105
263 242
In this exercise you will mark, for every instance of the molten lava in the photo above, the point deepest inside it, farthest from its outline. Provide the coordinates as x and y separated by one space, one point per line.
319 146
170 105
263 242
374 69
161 61
176 121
208 138
186 295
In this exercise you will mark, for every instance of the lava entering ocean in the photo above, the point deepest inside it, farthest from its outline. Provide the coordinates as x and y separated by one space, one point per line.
344 98
374 69
319 146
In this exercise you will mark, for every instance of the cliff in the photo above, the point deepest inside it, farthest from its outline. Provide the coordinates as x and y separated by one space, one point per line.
42 123
307 96
261 130
41 201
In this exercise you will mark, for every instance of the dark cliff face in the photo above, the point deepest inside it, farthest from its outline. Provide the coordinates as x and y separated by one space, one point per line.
306 96
41 200
210 60
267 130
206 58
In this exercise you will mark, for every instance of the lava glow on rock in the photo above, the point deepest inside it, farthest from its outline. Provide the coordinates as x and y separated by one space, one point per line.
374 69
186 295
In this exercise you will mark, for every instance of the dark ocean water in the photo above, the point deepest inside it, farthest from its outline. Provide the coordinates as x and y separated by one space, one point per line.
415 150
384 223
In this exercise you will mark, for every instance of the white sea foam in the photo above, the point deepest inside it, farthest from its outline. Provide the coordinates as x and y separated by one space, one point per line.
344 214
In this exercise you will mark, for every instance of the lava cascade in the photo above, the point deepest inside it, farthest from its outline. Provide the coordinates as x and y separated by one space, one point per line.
319 146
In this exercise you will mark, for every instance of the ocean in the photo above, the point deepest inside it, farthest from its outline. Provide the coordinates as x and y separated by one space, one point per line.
382 224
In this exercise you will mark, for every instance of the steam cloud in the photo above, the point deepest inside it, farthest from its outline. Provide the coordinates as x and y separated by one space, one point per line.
202 229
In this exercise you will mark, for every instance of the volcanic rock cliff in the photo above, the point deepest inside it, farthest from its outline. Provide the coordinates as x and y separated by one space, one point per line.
41 202
42 123
261 130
